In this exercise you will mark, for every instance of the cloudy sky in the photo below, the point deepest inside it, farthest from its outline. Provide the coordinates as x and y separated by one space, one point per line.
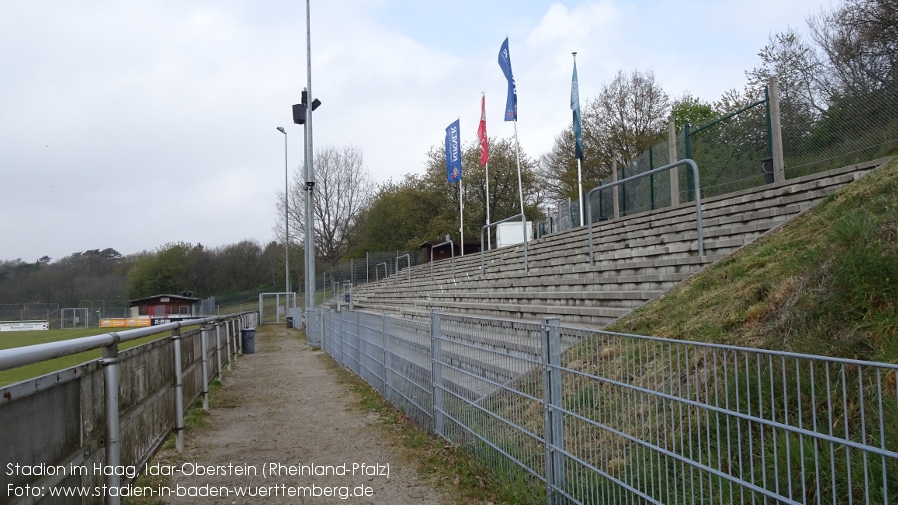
133 123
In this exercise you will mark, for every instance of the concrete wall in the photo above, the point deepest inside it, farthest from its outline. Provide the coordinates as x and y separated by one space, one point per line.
60 418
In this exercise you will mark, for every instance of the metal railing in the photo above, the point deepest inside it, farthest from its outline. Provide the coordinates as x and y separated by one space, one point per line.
386 271
408 258
451 252
593 417
126 402
698 201
495 223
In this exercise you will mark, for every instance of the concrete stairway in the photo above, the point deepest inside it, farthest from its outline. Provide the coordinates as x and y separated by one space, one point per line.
637 258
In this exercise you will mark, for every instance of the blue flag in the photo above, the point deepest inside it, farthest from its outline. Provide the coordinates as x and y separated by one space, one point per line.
453 153
575 106
511 103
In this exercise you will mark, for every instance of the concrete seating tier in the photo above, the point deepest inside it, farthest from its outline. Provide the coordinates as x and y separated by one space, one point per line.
636 259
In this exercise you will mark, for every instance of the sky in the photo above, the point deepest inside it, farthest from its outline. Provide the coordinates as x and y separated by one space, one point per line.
134 123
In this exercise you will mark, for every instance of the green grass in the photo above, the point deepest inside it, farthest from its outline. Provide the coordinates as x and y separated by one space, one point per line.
11 339
826 283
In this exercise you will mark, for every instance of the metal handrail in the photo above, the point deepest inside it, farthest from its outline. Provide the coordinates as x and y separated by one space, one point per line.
27 355
408 258
698 201
386 271
452 252
524 234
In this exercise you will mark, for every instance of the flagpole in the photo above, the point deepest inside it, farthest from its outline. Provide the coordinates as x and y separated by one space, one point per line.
489 238
579 170
520 185
461 215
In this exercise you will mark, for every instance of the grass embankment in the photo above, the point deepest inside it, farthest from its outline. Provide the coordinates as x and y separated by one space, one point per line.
825 283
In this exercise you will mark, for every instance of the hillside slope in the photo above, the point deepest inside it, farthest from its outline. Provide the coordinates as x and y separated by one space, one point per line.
825 283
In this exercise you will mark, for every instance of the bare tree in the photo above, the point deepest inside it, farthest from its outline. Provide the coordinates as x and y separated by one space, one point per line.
860 42
629 115
343 189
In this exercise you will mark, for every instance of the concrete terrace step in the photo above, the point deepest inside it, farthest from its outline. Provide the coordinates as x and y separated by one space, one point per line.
636 258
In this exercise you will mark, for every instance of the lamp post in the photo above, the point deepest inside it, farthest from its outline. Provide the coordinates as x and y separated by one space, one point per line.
302 114
286 228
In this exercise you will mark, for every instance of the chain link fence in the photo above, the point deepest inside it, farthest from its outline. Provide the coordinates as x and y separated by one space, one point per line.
734 152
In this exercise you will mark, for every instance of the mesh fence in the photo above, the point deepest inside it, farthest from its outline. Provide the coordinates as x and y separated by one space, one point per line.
373 267
853 129
29 311
734 152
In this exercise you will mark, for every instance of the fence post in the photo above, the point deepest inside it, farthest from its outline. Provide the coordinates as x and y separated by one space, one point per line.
552 404
388 358
319 321
436 374
776 133
218 349
672 155
205 369
239 328
110 364
615 198
179 389
228 336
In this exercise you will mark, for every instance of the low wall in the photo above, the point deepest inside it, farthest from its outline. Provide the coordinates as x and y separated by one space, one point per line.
53 428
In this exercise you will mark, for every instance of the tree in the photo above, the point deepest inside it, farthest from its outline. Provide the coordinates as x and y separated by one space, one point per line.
692 110
504 198
343 189
425 207
860 43
163 272
629 115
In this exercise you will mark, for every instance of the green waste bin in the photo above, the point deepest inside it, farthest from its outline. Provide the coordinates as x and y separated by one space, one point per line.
248 340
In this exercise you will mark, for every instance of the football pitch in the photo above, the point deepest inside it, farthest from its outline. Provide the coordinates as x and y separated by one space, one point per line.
11 339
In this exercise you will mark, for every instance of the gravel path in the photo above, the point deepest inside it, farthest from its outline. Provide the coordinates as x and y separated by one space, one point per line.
284 408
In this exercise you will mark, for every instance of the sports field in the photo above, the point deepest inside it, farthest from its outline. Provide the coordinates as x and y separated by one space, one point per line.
10 339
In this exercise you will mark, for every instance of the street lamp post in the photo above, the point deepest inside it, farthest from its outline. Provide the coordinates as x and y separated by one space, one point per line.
286 228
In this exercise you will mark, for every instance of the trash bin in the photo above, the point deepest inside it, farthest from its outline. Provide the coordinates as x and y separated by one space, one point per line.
289 321
248 340
767 169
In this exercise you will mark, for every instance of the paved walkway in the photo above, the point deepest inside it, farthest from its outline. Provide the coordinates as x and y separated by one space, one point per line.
284 408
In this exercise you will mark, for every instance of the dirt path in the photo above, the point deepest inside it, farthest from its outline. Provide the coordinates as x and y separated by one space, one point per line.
283 408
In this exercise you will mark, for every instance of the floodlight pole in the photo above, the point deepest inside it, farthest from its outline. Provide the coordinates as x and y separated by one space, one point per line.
310 173
286 230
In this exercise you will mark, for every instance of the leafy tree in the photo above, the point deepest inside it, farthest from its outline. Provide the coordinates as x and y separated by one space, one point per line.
398 217
692 110
425 207
504 196
163 272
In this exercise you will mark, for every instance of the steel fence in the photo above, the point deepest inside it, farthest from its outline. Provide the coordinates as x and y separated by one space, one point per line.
375 266
592 417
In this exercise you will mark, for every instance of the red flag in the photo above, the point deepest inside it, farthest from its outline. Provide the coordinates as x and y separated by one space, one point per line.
481 134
